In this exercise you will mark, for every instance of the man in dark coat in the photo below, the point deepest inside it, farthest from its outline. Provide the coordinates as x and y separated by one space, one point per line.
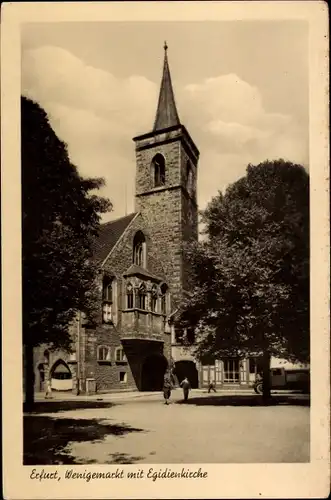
167 386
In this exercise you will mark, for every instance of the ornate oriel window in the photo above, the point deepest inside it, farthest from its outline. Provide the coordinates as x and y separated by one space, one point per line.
154 299
129 296
139 249
141 297
108 284
158 168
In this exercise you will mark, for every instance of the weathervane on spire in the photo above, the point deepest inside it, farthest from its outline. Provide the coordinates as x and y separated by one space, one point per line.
165 46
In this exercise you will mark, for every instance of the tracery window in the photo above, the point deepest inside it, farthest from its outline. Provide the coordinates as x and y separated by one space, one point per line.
139 249
164 291
129 296
154 299
141 297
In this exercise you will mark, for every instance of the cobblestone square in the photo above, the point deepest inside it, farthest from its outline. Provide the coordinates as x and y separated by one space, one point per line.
218 428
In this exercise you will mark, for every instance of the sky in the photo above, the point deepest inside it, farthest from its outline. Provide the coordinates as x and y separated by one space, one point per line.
241 89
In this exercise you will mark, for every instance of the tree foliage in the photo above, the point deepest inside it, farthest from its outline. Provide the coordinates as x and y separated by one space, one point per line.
251 272
60 220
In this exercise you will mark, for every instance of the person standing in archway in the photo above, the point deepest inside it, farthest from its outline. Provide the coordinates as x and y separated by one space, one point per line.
186 386
167 386
48 388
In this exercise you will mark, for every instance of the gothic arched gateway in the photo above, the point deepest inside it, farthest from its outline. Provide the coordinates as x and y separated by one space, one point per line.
187 369
153 371
61 377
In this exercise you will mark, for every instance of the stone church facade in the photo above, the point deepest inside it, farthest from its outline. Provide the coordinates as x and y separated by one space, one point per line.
143 273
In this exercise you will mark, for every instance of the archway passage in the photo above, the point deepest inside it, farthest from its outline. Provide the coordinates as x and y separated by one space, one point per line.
187 369
153 371
61 377
41 377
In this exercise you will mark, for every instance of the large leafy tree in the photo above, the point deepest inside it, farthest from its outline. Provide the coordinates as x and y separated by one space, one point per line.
251 270
60 221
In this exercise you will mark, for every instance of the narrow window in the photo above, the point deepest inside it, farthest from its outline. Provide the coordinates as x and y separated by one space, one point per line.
189 178
154 299
107 299
129 296
141 297
164 290
158 167
123 377
139 249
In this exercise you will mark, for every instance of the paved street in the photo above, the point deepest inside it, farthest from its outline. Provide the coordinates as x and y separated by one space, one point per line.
139 428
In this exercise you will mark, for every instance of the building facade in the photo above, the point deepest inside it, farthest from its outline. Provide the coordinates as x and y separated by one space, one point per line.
143 273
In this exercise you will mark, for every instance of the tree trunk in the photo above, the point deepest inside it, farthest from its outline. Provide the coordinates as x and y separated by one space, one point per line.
266 396
29 377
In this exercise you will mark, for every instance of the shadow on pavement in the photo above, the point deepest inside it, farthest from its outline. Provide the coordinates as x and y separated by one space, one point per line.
122 458
46 438
249 400
56 406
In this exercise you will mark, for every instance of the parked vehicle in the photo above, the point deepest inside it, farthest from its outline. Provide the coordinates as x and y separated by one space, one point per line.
286 379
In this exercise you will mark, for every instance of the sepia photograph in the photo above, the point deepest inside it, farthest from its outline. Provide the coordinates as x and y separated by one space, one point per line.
166 207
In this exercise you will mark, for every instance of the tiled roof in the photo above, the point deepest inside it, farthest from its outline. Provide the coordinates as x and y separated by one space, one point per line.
110 233
137 270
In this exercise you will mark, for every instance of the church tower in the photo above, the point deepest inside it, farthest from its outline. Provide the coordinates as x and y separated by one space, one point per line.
166 182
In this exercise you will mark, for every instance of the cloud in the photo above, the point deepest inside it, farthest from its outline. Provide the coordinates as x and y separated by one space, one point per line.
97 114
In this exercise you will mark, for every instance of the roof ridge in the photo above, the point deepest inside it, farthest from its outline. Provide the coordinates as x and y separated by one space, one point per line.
118 219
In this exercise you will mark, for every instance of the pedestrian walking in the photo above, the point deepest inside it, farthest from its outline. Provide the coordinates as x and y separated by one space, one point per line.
186 386
211 386
48 388
167 386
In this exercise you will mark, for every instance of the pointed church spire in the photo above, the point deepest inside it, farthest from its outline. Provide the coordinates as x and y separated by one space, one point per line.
166 114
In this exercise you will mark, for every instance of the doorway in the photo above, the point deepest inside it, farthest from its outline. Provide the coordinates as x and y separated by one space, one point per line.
153 371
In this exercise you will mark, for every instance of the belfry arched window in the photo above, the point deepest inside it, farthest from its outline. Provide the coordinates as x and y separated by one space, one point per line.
158 169
139 249
189 178
129 296
141 297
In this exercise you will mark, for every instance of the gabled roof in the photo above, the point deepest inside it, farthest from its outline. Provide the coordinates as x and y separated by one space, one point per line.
109 234
166 114
135 270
